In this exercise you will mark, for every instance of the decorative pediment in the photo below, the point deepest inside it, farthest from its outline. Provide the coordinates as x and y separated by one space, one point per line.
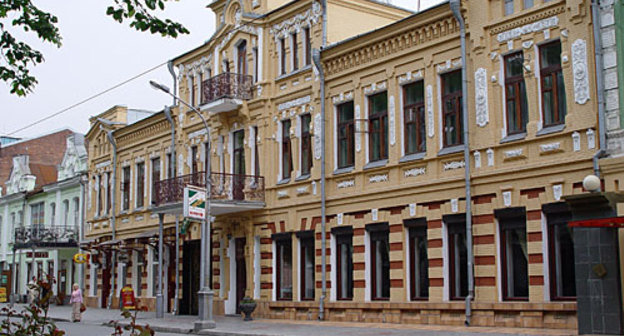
21 178
75 158
294 24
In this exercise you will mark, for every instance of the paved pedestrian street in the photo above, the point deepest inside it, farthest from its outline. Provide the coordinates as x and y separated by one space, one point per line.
96 322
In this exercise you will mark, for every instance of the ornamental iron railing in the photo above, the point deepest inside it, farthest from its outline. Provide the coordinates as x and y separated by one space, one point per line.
227 85
42 235
224 187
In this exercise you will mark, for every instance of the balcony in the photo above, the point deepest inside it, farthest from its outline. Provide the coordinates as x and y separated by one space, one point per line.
225 92
46 236
230 193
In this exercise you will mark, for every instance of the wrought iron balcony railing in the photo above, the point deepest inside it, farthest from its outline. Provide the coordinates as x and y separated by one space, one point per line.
224 187
227 85
41 235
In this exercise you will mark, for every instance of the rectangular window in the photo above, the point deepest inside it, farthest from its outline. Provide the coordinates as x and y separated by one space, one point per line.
452 108
380 261
344 261
458 256
257 154
241 62
65 212
414 116
125 189
528 4
514 256
154 279
306 244
306 145
193 89
282 56
194 159
419 261
515 94
256 63
37 215
378 126
308 45
100 190
283 247
140 185
52 213
552 85
155 176
509 7
346 135
295 52
76 211
109 191
206 156
286 150
561 255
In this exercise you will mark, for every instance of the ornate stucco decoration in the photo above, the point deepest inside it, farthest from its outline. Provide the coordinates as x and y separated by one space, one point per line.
342 97
192 69
392 120
375 88
454 205
358 139
576 141
477 158
449 65
375 214
507 198
490 157
317 136
21 178
303 190
528 29
340 218
591 139
282 194
429 102
378 178
550 148
345 184
295 102
294 24
557 191
481 97
454 165
415 172
514 154
410 77
579 68
412 209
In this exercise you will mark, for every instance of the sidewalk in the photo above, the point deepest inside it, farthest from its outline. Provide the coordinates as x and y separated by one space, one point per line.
234 326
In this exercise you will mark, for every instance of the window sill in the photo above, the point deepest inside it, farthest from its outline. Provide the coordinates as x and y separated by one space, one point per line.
451 150
293 73
550 129
283 181
303 177
343 170
513 137
376 164
412 157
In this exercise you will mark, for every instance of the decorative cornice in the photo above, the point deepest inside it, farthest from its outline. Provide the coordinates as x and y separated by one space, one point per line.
144 133
294 24
406 39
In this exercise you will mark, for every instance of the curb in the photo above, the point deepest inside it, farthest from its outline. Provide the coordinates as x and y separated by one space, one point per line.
165 329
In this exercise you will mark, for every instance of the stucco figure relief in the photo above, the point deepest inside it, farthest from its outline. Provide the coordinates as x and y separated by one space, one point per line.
317 136
481 97
392 121
579 69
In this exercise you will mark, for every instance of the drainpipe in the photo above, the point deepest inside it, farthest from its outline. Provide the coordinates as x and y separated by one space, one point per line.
111 139
177 219
175 84
316 57
456 9
324 26
595 8
83 194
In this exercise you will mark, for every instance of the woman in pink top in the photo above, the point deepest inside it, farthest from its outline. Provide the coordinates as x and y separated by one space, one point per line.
76 302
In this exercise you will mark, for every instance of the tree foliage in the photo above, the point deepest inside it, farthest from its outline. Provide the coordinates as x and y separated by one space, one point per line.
18 57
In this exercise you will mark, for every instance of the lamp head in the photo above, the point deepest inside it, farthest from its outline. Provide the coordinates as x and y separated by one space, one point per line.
158 86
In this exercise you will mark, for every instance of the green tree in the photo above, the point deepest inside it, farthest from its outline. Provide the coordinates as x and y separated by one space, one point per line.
17 57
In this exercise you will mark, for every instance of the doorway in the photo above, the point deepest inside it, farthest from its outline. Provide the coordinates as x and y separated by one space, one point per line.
106 282
239 165
190 277
241 271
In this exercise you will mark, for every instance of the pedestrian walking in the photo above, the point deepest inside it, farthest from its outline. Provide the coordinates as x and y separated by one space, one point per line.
76 302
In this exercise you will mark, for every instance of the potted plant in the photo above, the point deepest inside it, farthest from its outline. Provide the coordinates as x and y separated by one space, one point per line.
247 306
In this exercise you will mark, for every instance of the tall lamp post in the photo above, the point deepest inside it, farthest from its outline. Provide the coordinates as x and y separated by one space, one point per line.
205 294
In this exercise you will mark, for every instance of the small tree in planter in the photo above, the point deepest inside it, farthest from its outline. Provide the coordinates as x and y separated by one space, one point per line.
247 306
133 328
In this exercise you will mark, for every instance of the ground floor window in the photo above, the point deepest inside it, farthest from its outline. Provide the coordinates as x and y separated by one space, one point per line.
379 260
560 252
458 256
514 257
283 247
306 252
344 262
418 259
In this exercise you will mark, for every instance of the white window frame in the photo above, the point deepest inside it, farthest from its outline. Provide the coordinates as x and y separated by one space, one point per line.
65 212
135 186
293 47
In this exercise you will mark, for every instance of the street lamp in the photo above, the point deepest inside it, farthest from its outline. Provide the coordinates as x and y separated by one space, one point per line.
205 293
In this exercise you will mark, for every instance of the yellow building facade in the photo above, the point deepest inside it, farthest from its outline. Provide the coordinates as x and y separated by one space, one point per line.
395 185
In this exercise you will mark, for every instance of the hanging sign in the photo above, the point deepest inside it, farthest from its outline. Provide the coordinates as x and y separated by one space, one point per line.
194 203
80 258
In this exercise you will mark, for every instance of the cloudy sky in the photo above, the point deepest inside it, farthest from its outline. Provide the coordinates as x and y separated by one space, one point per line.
96 55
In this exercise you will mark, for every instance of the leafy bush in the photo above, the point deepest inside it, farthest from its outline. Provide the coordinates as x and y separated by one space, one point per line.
134 328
